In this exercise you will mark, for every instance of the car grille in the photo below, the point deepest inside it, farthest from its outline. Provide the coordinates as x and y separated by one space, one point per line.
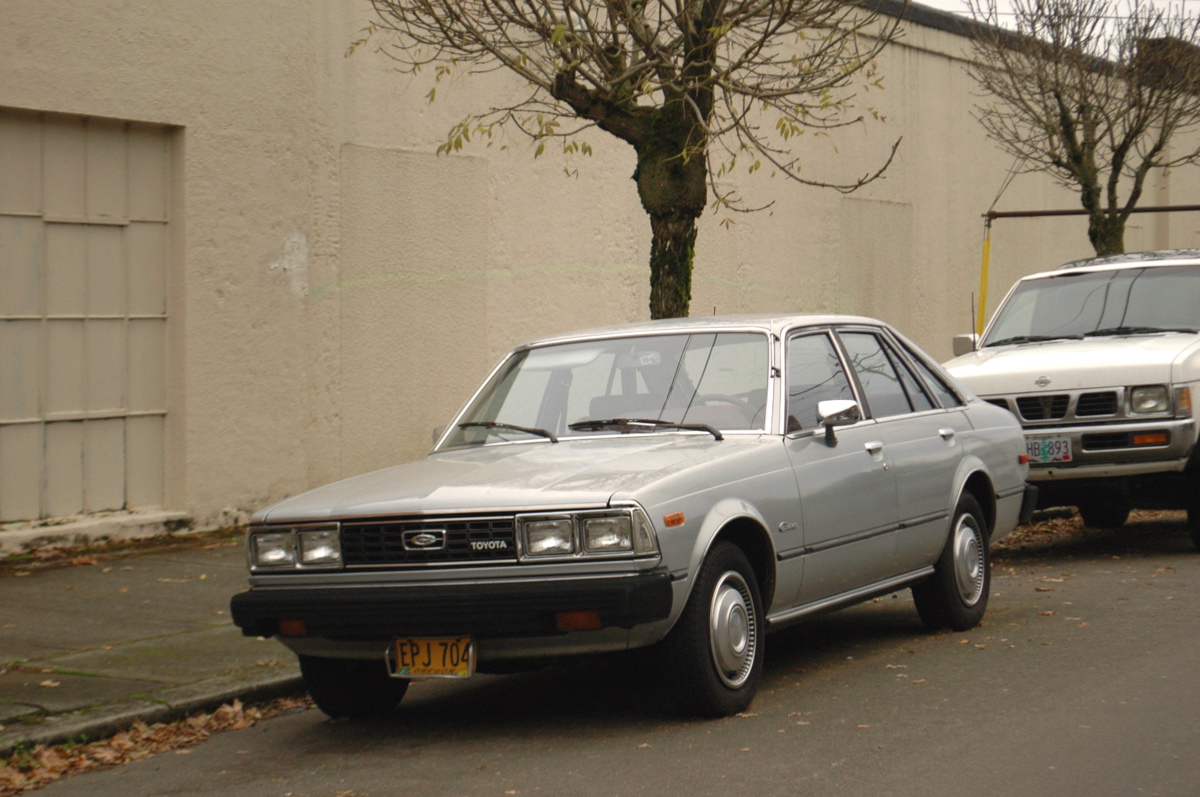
424 541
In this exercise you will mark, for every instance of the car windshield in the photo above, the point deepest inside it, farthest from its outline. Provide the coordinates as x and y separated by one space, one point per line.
1127 301
695 381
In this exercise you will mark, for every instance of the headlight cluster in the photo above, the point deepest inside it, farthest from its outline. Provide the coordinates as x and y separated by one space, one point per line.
606 533
302 546
1148 399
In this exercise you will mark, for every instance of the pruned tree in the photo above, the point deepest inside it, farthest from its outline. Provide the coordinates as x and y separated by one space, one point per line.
1095 93
692 85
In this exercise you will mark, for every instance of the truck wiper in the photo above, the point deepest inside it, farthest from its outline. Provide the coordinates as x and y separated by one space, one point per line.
1113 331
642 423
512 426
1029 339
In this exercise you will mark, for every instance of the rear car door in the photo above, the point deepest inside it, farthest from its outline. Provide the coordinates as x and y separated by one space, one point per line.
920 442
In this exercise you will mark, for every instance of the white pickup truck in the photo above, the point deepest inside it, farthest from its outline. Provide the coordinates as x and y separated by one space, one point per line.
1100 361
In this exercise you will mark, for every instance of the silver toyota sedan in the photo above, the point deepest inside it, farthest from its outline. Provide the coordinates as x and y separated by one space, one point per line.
683 485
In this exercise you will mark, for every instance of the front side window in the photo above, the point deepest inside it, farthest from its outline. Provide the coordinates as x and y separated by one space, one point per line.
814 374
718 379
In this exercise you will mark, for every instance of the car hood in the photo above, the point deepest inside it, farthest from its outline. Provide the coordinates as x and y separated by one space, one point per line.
1072 364
515 477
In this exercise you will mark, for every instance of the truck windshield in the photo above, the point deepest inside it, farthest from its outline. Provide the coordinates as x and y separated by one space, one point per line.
1126 301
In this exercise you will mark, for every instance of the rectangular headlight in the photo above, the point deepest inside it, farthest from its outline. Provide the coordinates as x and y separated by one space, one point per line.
607 534
1146 399
548 536
319 547
273 549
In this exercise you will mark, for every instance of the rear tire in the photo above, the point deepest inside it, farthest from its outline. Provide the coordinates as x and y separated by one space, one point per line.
1105 511
956 595
354 688
713 655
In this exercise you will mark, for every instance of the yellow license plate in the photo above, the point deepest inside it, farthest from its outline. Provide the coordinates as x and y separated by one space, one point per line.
425 657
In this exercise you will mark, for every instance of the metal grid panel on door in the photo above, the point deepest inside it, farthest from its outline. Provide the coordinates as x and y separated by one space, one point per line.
83 314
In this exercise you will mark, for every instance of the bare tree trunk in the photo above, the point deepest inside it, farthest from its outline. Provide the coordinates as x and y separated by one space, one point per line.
672 179
1107 233
672 248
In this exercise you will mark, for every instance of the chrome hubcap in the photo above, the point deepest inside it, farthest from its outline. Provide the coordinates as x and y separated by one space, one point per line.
733 631
969 559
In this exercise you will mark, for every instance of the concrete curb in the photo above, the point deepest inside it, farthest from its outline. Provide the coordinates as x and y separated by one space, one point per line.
98 722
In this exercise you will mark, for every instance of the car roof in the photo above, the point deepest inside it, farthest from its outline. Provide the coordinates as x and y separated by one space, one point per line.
764 322
1160 257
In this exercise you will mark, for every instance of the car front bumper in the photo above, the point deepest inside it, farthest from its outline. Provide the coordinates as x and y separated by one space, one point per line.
483 609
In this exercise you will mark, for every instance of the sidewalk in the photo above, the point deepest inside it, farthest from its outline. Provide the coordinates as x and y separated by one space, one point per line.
89 649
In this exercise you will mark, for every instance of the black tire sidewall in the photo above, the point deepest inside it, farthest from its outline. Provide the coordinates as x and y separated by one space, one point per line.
686 658
938 600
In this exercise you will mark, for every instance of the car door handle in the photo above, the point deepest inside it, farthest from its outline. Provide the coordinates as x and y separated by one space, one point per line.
874 447
947 434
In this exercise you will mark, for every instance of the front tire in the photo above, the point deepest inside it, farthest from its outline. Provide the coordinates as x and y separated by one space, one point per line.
956 595
713 655
354 688
1193 505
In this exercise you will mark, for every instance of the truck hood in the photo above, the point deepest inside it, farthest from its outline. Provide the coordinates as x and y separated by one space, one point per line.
539 475
1073 364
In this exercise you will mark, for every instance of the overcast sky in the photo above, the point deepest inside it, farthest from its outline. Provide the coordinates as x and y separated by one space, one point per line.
1192 7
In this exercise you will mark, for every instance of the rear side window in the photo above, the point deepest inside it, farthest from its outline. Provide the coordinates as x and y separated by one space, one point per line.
945 396
890 388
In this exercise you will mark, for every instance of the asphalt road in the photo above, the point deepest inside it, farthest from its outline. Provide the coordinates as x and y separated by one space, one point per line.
1081 681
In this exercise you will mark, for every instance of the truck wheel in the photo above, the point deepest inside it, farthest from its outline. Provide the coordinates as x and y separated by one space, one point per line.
956 595
354 688
1105 511
713 655
1193 506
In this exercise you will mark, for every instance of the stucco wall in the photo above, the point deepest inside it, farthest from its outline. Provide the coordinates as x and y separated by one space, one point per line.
337 288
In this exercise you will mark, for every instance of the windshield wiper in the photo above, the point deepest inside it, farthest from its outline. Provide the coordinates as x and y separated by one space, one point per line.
1112 331
498 425
647 423
1029 339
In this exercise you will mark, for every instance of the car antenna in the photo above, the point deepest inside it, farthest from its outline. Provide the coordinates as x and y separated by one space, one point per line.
974 336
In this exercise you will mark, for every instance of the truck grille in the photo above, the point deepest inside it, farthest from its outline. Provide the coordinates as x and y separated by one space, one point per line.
1043 408
423 541
1091 404
1048 408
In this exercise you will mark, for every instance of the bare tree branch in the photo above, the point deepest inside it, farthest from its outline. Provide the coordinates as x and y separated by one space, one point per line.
1091 92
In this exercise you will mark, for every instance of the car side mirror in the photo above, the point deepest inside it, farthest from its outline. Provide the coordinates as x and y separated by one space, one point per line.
837 412
965 344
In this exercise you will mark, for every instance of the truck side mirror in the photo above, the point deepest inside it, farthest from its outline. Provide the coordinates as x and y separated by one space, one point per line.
965 344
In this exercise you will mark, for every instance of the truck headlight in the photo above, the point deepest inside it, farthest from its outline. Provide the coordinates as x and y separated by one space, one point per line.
1146 399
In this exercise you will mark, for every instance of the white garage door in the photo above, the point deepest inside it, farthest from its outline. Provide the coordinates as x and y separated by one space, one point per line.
83 321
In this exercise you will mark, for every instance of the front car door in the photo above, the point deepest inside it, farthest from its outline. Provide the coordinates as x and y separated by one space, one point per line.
847 492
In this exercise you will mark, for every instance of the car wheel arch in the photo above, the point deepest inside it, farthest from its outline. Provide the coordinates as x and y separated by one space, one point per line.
978 485
748 534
